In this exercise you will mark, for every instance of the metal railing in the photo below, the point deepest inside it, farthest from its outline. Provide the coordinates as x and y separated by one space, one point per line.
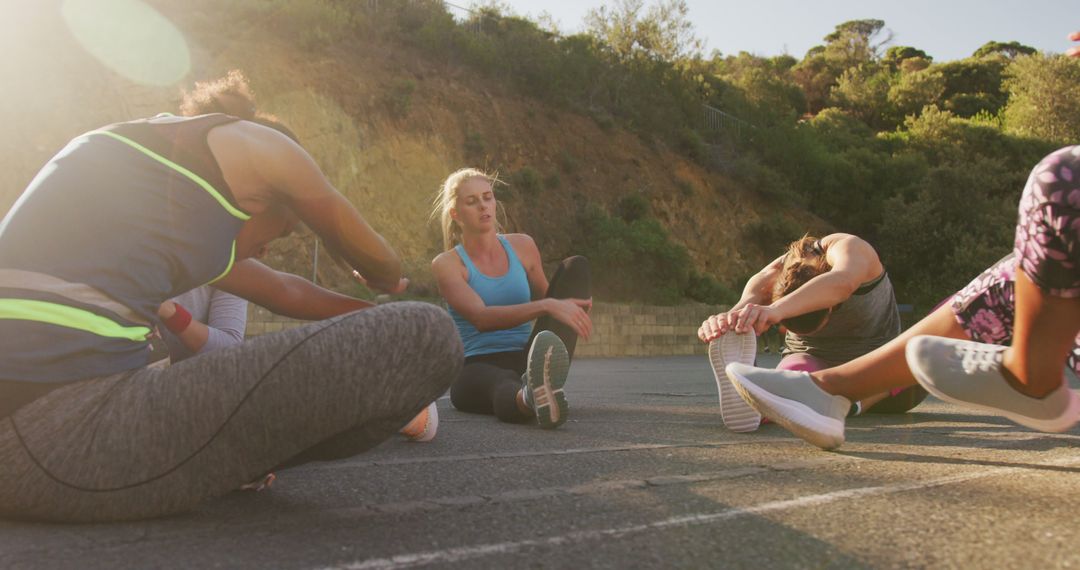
717 120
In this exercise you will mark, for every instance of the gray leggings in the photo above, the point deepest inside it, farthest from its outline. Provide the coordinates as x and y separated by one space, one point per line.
156 441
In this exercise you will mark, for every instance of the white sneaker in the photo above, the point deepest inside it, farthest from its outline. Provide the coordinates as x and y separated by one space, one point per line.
737 414
969 373
423 427
794 401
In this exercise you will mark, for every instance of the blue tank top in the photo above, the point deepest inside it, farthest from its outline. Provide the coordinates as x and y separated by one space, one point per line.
120 220
509 289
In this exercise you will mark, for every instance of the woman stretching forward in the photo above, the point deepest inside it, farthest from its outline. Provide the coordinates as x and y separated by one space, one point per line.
834 297
494 285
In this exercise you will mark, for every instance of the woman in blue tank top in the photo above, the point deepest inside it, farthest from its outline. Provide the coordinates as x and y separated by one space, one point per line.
494 285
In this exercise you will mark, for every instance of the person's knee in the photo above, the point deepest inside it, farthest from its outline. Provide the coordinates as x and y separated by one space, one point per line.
576 264
573 279
418 340
471 391
431 335
465 398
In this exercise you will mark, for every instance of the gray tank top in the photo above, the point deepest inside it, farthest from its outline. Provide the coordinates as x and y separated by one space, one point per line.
867 320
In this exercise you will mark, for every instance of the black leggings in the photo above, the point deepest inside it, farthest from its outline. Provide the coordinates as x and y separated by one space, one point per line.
489 383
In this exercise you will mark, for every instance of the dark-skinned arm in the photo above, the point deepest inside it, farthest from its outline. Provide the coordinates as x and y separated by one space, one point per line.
288 170
286 294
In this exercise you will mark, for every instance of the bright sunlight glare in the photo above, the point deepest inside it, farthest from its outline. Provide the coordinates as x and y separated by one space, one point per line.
130 38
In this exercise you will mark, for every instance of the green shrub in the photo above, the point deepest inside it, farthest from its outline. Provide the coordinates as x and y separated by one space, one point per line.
603 119
568 162
693 145
632 207
505 192
552 181
659 269
474 146
399 99
705 289
311 25
636 260
527 180
770 234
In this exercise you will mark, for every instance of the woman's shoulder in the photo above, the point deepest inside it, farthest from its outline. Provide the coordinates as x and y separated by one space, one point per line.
850 244
836 237
524 246
449 257
521 241
853 254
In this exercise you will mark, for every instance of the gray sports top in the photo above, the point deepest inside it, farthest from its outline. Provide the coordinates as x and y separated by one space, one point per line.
867 320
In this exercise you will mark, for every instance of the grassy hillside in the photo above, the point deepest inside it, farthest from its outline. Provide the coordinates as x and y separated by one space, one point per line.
387 123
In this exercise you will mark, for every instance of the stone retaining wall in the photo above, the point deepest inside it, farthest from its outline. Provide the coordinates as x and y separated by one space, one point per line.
618 330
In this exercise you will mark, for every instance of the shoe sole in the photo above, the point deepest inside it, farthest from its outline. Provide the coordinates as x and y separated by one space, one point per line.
548 366
431 427
261 484
796 417
737 415
1060 424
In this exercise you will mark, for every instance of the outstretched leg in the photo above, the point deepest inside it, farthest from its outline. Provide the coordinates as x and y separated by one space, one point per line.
885 368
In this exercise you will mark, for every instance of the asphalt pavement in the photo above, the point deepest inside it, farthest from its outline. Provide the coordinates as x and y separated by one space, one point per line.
642 476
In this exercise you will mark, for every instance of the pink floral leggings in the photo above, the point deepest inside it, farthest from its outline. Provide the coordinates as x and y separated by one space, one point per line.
1047 247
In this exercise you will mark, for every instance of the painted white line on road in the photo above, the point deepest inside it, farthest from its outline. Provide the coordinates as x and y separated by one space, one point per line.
470 552
521 454
597 487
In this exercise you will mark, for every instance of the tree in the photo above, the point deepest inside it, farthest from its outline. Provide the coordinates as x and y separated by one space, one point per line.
864 92
1007 49
916 90
766 93
1044 97
906 58
663 32
852 44
973 85
856 42
816 78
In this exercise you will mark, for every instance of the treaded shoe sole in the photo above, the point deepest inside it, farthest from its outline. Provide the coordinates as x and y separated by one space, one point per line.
548 366
738 416
798 418
1056 425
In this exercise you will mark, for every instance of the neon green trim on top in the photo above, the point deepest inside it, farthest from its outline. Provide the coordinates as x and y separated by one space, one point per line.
228 268
236 212
70 317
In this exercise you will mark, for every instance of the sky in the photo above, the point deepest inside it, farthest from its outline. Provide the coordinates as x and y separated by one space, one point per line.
945 29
